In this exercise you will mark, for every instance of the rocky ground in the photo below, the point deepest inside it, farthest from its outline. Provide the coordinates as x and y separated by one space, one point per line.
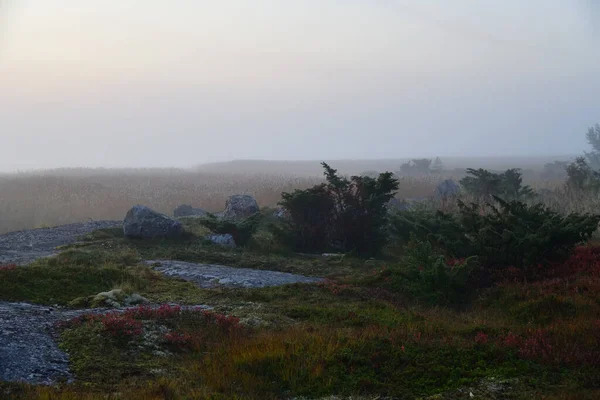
23 247
28 351
209 275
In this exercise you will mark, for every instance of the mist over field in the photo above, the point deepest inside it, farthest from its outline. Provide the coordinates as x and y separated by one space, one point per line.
307 199
156 84
104 105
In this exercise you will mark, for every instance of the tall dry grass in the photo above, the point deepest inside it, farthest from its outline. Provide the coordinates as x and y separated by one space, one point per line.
56 197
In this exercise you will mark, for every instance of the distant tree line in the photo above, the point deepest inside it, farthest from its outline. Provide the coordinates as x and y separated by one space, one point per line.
421 166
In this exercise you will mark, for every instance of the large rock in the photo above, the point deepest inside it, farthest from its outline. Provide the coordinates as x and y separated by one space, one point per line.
447 188
144 223
240 206
185 210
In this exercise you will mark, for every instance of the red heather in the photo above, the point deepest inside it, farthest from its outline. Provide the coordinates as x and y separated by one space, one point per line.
178 339
121 325
481 338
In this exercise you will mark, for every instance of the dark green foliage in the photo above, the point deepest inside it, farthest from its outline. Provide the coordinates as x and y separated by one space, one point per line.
512 234
481 183
593 138
241 231
581 177
512 186
58 284
348 215
439 228
484 184
308 229
426 274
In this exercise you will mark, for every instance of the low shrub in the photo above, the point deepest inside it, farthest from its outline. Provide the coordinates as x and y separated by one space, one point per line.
241 231
484 185
346 215
509 234
428 275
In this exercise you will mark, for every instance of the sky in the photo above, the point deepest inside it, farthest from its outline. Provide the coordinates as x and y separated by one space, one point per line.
132 83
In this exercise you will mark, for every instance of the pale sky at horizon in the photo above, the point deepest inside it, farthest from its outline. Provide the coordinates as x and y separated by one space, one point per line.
153 83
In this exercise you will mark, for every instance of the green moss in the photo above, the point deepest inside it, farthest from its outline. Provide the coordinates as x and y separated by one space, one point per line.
57 285
100 360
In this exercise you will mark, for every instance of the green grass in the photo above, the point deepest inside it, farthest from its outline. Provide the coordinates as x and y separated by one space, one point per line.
79 273
192 248
350 336
44 285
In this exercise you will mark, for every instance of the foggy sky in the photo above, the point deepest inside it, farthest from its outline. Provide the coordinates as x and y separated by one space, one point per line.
154 83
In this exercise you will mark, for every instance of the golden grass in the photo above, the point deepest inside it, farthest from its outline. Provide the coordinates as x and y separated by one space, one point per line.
53 198
57 197
50 199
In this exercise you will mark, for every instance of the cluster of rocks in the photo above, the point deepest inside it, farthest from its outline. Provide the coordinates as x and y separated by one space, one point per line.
142 222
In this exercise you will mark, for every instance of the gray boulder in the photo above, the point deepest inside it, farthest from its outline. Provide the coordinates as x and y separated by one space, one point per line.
447 188
240 206
223 240
185 210
143 223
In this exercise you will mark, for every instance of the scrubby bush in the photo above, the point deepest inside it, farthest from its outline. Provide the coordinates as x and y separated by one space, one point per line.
581 177
347 215
484 185
426 274
241 231
593 138
509 234
308 228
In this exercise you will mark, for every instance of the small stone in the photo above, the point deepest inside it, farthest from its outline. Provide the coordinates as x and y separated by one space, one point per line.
223 240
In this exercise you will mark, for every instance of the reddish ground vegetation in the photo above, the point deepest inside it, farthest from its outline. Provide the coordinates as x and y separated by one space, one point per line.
128 324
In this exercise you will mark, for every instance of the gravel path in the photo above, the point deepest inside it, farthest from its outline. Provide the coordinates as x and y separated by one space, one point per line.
210 275
28 351
23 247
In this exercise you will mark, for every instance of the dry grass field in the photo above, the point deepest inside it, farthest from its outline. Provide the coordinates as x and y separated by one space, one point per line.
56 197
60 197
